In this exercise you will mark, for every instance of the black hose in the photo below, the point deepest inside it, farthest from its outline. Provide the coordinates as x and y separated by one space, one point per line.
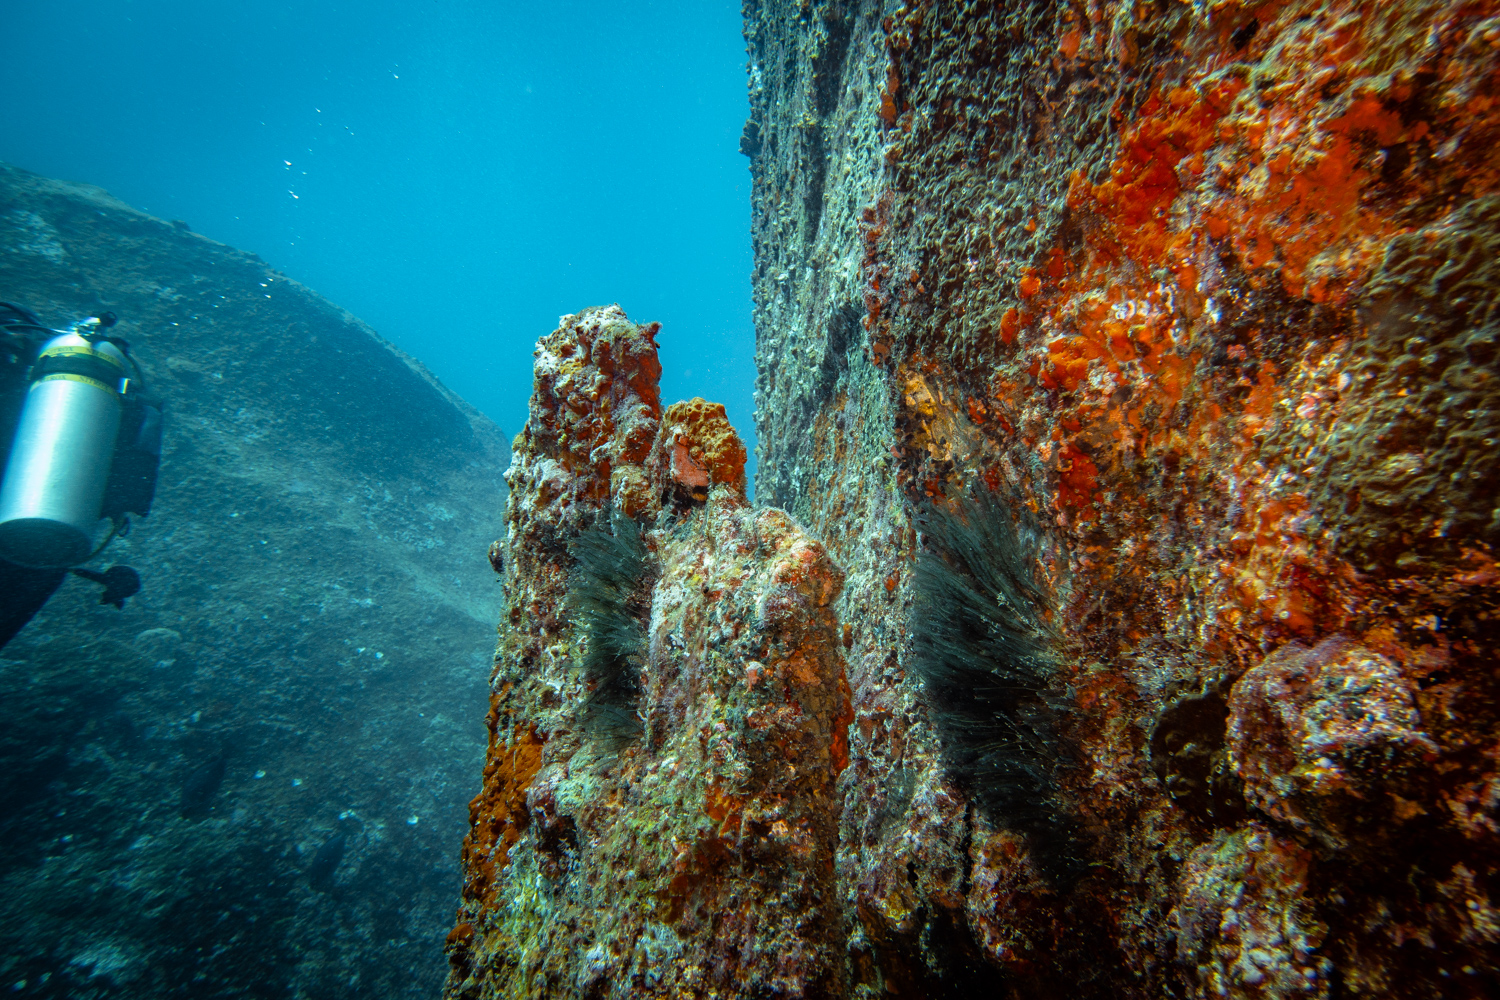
14 326
30 318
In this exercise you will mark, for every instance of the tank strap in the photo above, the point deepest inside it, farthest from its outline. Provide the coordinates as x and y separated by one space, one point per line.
79 366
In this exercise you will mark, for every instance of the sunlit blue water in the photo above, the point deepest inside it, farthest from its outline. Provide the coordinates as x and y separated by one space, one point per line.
457 174
250 778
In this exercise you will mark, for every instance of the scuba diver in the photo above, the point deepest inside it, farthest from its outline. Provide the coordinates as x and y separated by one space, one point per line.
80 442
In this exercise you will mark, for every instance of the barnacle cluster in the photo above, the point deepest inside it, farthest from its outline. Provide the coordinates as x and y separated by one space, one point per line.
1414 473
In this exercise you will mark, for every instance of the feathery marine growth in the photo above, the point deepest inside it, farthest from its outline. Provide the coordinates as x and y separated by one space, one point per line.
610 598
986 652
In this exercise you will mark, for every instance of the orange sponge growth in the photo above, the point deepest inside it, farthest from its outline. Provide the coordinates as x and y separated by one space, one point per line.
497 815
702 447
1179 125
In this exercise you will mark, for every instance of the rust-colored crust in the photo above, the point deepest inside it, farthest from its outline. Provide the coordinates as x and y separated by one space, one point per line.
1208 292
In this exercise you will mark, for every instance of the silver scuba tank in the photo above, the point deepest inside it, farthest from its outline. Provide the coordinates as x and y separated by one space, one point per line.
54 484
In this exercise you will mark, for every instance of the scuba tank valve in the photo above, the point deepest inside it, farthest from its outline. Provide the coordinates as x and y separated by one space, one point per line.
53 494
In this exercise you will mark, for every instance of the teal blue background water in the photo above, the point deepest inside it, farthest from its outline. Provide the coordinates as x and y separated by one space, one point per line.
457 173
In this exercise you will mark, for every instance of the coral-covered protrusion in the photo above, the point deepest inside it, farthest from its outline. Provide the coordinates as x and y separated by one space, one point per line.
699 449
594 413
1327 739
669 716
595 406
1245 924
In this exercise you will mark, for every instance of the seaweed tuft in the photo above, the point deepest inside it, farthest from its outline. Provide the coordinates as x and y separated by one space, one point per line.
609 597
986 652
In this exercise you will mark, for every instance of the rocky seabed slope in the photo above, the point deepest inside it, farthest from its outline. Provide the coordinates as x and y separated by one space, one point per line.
249 780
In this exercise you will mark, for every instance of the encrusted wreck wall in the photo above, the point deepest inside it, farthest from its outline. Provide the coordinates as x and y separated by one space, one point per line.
1206 294
1145 355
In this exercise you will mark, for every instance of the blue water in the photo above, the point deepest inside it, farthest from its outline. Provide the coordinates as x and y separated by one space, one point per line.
250 779
456 173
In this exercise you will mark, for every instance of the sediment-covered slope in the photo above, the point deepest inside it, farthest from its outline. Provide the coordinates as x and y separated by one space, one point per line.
251 780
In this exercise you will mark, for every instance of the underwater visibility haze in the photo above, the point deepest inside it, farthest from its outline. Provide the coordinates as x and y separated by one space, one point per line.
1102 600
237 745
455 173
